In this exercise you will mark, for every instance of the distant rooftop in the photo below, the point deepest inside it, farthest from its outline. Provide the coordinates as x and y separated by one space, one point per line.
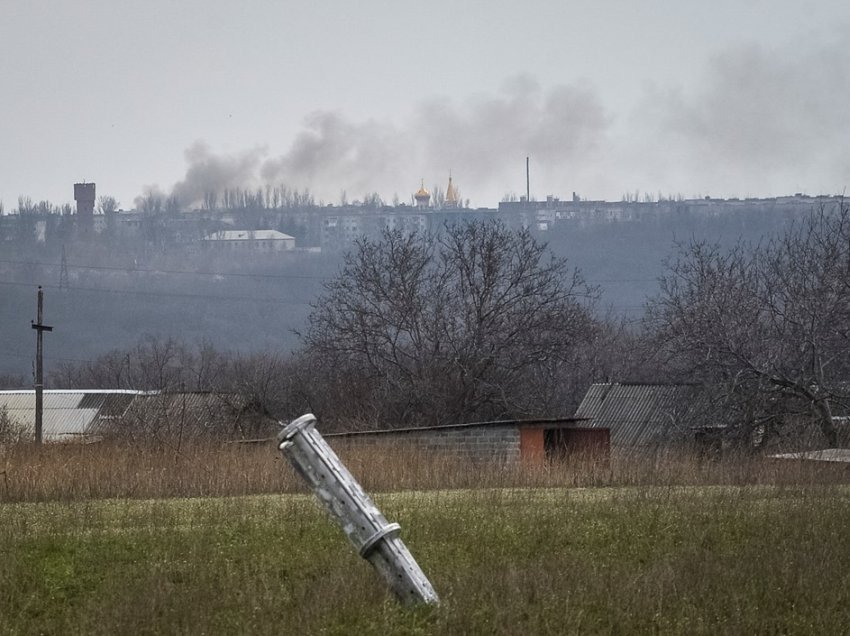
69 415
249 235
834 455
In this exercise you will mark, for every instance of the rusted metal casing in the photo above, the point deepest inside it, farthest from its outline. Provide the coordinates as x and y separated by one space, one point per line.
372 535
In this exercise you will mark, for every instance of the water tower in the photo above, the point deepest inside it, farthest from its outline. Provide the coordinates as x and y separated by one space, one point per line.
84 196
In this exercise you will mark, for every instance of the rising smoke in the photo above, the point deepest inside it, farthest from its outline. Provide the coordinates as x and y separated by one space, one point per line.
333 153
209 172
755 121
759 122
483 139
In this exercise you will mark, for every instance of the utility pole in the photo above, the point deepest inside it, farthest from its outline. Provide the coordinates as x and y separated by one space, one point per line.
39 367
527 181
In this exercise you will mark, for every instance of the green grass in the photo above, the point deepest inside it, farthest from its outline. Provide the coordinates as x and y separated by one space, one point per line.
752 559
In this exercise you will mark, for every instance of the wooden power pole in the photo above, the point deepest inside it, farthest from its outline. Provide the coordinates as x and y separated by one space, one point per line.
39 367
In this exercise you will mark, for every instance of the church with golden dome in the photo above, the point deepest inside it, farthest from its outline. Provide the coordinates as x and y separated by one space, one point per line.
422 196
451 200
452 195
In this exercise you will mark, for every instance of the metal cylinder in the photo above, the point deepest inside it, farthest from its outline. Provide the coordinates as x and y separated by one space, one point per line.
372 535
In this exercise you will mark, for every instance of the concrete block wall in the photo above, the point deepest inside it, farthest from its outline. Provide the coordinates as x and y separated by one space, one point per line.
493 442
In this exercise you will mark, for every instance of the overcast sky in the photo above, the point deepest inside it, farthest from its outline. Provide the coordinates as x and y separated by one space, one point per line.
722 98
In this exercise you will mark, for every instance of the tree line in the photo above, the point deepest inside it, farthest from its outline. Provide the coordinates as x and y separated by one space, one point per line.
479 321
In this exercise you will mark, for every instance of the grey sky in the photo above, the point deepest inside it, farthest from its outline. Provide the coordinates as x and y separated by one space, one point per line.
724 98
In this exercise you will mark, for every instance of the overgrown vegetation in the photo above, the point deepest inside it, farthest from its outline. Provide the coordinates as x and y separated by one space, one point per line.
164 469
11 431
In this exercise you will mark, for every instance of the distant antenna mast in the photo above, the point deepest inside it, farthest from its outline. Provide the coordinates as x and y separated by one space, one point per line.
63 271
527 182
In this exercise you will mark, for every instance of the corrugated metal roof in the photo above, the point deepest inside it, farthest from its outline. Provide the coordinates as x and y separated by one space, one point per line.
68 415
639 415
197 402
73 415
195 410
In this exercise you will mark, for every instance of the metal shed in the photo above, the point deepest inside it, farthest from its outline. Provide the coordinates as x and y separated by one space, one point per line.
69 415
90 415
642 416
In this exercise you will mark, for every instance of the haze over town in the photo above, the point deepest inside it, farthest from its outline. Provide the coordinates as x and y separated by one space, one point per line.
564 284
732 99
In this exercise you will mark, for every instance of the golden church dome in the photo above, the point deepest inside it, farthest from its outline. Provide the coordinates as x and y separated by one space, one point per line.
422 193
451 192
422 196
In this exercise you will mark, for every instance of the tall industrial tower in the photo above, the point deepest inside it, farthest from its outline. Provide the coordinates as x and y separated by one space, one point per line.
84 196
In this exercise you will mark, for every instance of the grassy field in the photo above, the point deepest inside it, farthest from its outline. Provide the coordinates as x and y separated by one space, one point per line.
627 559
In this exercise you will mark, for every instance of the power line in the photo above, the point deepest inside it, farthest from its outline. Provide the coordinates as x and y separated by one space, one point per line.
107 290
4 354
221 297
185 272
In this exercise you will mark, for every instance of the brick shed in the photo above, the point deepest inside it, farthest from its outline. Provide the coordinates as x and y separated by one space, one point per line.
532 441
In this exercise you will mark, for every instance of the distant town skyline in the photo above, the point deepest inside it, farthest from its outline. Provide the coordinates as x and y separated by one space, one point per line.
733 99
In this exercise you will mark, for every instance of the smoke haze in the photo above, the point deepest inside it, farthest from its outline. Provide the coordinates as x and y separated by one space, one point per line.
759 122
762 121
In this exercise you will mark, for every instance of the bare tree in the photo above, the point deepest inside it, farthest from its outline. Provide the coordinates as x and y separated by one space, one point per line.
438 197
210 200
12 381
150 203
770 323
207 367
107 205
449 327
172 205
373 200
256 377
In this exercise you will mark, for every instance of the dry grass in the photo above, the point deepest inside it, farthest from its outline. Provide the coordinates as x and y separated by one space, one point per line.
123 470
140 471
118 538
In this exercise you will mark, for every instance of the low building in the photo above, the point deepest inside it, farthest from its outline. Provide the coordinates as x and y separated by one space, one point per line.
694 417
91 415
250 241
530 441
68 415
643 417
